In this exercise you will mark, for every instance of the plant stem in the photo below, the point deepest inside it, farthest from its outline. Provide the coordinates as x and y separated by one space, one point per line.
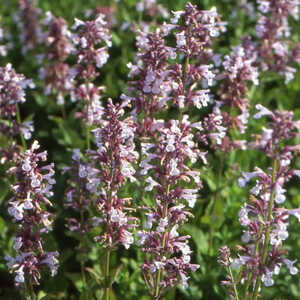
106 275
158 278
255 254
29 292
236 294
268 229
187 62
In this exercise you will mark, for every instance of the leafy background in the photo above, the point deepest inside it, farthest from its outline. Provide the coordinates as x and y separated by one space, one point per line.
215 223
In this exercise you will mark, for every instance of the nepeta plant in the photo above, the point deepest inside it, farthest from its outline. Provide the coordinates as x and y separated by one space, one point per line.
27 20
273 50
98 182
137 185
165 165
167 146
239 69
152 8
264 219
12 93
56 72
28 208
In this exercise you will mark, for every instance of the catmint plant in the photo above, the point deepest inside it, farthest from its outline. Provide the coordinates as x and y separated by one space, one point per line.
168 145
98 183
12 93
274 50
56 72
28 208
264 218
91 40
152 8
27 20
239 69
165 168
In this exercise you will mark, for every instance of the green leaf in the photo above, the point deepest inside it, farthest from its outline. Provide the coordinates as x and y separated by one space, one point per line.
76 279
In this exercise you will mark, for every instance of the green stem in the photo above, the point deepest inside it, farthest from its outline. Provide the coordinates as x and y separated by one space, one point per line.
159 273
255 254
63 111
236 294
268 229
187 62
19 123
88 143
29 291
106 275
215 199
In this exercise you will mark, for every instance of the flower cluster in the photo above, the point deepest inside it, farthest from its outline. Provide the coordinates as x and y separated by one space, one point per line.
165 165
29 25
97 182
12 92
56 72
265 222
152 8
80 194
31 191
91 54
87 38
150 90
159 79
113 167
239 69
272 29
197 31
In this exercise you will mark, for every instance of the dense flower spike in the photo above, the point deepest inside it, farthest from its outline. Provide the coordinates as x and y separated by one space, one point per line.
87 38
152 8
91 55
160 80
239 69
157 181
94 187
168 146
31 190
29 26
12 92
165 165
273 29
56 72
80 193
112 164
264 220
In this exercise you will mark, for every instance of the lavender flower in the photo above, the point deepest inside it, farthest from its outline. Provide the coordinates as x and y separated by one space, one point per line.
239 69
87 38
159 81
56 72
94 185
28 24
265 222
90 56
31 191
113 162
272 29
12 93
152 8
165 165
